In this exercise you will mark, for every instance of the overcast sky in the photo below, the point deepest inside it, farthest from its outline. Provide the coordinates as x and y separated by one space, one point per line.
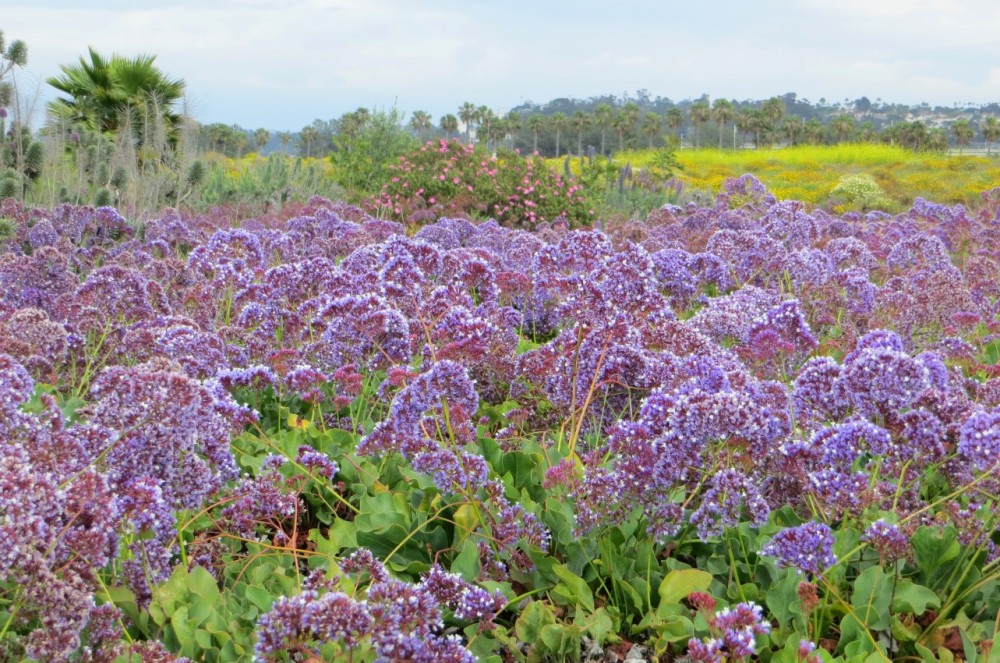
280 64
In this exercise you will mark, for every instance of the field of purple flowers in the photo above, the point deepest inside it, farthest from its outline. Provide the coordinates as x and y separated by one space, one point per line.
749 431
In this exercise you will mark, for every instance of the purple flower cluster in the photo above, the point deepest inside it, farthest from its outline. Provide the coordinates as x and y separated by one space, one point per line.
734 632
399 621
807 548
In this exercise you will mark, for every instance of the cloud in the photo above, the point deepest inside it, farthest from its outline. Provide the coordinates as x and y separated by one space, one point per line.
282 64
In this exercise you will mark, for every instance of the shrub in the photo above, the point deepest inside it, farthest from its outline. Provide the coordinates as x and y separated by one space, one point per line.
448 178
861 190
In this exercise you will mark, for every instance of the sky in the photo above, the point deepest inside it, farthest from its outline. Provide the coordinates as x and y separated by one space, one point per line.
280 64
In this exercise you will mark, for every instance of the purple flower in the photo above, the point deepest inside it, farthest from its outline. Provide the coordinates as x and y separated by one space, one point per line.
808 548
980 440
722 505
887 539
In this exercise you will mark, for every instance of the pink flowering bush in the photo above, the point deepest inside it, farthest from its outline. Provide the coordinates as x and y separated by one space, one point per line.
450 178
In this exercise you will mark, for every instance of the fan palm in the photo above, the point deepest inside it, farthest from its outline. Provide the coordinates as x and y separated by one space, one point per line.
723 111
991 131
581 122
420 122
603 115
699 112
449 125
107 94
559 123
535 124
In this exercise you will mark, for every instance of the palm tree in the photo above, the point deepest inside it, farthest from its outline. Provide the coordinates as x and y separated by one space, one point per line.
868 132
308 136
449 125
535 123
991 131
815 132
793 127
675 120
285 138
937 140
106 94
842 126
420 122
512 124
261 138
723 111
963 133
699 112
651 126
581 121
484 117
603 115
622 124
629 116
467 113
559 123
915 135
774 110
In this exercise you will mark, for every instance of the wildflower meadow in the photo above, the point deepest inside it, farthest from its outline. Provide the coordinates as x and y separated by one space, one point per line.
746 429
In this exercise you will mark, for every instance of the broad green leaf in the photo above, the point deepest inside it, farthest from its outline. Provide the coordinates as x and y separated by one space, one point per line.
783 600
466 563
926 655
532 619
933 547
871 596
572 588
679 583
913 599
260 597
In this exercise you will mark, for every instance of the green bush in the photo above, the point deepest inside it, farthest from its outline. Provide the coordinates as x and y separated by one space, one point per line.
861 190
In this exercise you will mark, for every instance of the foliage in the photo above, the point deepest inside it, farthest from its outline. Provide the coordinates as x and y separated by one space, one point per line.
362 160
861 191
111 94
447 178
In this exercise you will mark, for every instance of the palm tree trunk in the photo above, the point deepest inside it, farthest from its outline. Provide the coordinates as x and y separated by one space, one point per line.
557 144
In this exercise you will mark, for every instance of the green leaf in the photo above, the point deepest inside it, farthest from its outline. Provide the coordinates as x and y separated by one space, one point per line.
933 547
530 622
572 589
260 597
869 613
783 600
674 628
466 563
599 625
905 632
913 599
926 655
679 583
183 631
871 596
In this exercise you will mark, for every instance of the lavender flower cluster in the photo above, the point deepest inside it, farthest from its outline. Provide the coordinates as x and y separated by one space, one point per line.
399 621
